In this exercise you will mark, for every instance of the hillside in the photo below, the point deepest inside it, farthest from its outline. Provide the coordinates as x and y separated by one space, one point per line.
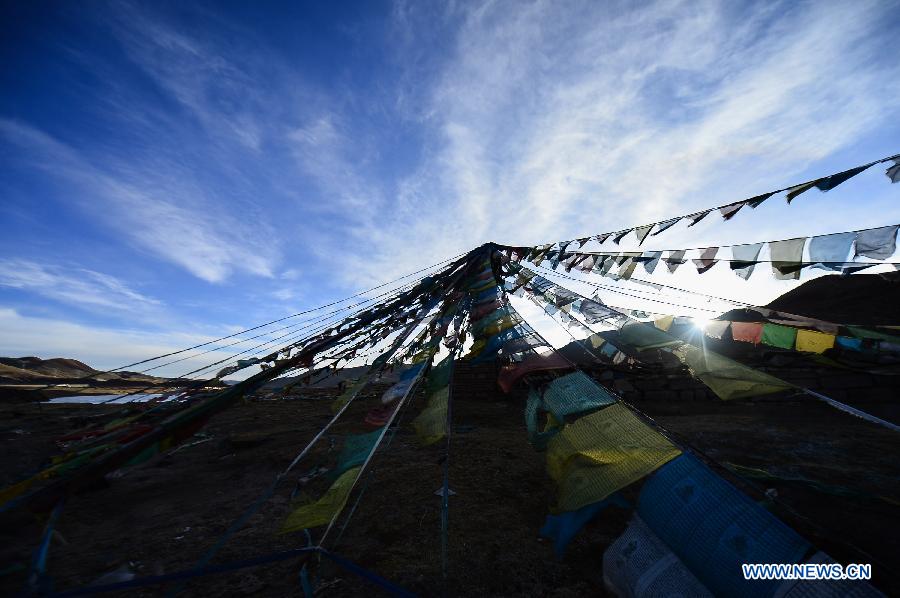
34 370
867 299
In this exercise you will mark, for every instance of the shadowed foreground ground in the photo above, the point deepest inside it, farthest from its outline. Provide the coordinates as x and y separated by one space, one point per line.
161 517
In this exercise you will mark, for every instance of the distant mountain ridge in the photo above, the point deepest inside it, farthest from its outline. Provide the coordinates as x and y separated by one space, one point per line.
59 369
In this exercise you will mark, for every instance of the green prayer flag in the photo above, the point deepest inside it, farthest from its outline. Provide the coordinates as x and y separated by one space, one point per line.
776 335
726 377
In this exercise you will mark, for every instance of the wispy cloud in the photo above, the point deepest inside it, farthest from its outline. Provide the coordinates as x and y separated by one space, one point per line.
224 150
173 219
75 286
551 121
99 347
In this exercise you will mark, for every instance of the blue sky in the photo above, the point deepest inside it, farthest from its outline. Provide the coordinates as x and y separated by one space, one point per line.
174 171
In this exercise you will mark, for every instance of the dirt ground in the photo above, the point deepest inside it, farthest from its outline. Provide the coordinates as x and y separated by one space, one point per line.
163 516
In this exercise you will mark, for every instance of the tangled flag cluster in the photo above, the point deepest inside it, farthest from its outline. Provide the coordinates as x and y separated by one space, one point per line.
691 528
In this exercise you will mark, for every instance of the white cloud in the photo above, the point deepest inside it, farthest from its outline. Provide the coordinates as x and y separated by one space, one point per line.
101 348
552 121
75 286
166 216
324 149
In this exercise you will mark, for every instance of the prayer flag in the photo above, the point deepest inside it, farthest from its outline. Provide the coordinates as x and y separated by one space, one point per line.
830 182
621 235
893 172
323 510
812 341
830 252
877 243
666 224
650 260
786 258
754 202
776 335
604 452
745 259
730 210
798 189
706 260
748 332
695 218
641 232
675 259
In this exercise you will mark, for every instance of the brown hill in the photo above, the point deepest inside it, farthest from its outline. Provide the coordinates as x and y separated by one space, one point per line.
32 370
868 299
57 367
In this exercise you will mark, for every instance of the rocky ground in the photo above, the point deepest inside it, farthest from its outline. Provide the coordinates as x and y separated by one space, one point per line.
164 516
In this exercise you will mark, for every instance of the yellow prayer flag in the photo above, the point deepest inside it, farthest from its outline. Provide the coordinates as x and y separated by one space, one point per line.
726 377
664 323
431 423
596 341
500 325
603 452
11 492
324 509
812 341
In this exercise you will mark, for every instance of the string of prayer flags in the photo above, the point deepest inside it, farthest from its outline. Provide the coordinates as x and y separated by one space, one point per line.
830 252
728 211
